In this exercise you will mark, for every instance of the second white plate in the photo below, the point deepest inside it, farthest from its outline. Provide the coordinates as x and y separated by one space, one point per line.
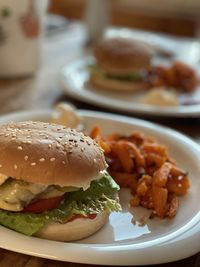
74 80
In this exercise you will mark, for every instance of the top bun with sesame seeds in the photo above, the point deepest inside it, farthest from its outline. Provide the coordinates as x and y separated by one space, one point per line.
45 153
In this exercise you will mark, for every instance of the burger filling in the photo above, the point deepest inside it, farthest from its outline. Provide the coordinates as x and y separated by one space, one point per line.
26 207
98 71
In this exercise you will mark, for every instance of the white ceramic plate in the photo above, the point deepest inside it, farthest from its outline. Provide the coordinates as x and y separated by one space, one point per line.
74 80
120 242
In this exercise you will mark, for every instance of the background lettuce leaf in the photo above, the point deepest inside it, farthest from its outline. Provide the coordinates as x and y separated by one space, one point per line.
135 76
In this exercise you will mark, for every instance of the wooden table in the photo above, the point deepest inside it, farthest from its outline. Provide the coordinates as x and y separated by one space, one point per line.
43 91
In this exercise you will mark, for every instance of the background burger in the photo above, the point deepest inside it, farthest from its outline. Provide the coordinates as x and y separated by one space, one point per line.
53 182
121 64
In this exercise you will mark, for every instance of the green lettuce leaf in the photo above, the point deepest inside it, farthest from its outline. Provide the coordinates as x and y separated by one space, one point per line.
100 196
136 76
105 186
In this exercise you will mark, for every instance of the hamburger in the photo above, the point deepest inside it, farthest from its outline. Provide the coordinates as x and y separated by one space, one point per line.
53 182
121 64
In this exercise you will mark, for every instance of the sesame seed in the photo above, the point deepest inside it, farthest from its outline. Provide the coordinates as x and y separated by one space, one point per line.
58 146
15 166
29 142
95 161
82 149
42 159
33 164
26 157
0 166
180 178
52 159
6 135
63 162
179 185
19 148
49 145
28 136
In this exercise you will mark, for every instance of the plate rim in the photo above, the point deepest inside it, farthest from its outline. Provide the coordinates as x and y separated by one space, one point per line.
187 111
104 249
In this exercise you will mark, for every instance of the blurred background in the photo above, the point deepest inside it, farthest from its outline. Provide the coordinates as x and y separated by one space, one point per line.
39 37
177 17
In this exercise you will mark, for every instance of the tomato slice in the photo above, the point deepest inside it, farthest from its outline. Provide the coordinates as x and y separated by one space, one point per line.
78 216
42 205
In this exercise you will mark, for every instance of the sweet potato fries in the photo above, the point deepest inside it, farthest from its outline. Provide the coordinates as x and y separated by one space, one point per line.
143 165
179 75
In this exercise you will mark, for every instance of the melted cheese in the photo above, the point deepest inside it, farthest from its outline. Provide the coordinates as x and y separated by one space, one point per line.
3 178
15 195
51 192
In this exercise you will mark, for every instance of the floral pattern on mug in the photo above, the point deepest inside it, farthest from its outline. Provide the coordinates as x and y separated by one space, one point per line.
4 14
30 24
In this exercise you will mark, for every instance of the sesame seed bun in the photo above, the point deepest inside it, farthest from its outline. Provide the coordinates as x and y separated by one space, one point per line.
74 230
122 56
47 153
116 85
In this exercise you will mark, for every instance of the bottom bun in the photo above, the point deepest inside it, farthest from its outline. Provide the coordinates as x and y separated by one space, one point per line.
116 85
74 230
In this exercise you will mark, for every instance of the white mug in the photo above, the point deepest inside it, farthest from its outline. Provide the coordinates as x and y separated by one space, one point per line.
20 37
